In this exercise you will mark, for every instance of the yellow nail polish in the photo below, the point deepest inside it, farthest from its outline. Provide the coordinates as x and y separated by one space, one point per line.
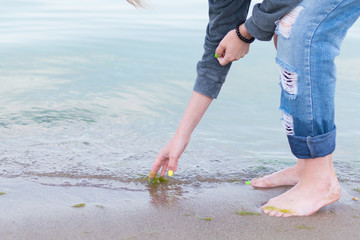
170 173
216 55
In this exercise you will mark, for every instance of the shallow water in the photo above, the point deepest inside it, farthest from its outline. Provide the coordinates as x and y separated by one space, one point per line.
91 92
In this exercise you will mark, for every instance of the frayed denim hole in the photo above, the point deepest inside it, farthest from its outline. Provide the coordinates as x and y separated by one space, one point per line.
277 27
288 80
285 24
288 123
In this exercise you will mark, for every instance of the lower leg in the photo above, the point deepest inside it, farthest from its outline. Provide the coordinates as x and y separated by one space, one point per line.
318 186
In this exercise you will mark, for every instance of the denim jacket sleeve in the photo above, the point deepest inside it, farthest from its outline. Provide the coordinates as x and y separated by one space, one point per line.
223 16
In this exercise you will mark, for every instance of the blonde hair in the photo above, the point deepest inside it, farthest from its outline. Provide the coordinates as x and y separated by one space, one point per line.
136 3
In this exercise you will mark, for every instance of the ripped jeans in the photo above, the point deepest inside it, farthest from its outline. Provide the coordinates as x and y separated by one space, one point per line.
309 39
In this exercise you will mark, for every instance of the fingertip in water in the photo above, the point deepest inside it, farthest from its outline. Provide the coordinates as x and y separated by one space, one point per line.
152 175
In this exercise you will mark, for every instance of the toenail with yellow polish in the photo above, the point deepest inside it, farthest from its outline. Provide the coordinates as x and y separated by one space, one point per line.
270 208
170 173
285 210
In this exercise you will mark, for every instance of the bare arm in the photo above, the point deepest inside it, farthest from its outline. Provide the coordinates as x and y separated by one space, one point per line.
168 157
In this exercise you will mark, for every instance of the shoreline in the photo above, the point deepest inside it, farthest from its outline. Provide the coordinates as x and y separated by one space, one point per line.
220 211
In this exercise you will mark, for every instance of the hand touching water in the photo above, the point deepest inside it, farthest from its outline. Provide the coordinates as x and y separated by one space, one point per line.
168 157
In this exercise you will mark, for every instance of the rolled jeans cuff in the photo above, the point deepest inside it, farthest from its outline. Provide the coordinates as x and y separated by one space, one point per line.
313 147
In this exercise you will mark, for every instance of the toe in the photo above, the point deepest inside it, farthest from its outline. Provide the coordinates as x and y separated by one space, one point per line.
255 182
260 183
266 211
272 213
286 215
278 214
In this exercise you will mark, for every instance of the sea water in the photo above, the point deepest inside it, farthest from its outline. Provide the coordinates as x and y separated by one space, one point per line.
90 91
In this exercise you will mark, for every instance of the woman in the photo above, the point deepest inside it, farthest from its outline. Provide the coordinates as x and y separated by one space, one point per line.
309 39
224 15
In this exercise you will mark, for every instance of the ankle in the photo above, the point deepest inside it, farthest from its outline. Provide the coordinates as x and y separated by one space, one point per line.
299 164
320 182
297 169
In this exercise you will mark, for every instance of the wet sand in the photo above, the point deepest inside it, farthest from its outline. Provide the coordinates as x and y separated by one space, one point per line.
33 211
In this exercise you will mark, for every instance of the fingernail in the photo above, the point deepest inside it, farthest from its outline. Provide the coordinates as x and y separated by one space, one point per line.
216 55
170 173
152 174
248 183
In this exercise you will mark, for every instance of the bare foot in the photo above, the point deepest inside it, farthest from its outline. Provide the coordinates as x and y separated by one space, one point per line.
317 187
286 177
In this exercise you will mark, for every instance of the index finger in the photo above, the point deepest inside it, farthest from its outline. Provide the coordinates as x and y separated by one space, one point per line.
157 165
220 50
224 60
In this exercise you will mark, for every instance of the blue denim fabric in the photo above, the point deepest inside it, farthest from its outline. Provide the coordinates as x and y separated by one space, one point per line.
310 37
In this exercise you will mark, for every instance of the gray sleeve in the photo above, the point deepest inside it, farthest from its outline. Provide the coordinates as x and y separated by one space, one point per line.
223 16
261 24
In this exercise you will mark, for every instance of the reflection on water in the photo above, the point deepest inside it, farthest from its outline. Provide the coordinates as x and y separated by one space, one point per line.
90 93
165 195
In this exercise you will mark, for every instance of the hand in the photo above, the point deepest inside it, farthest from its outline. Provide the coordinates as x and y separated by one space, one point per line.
231 48
168 157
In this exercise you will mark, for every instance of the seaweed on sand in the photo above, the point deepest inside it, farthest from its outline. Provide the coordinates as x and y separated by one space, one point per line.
79 205
204 218
304 227
155 180
271 208
245 213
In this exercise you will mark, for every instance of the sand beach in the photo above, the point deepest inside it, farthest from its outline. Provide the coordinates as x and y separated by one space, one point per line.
220 211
